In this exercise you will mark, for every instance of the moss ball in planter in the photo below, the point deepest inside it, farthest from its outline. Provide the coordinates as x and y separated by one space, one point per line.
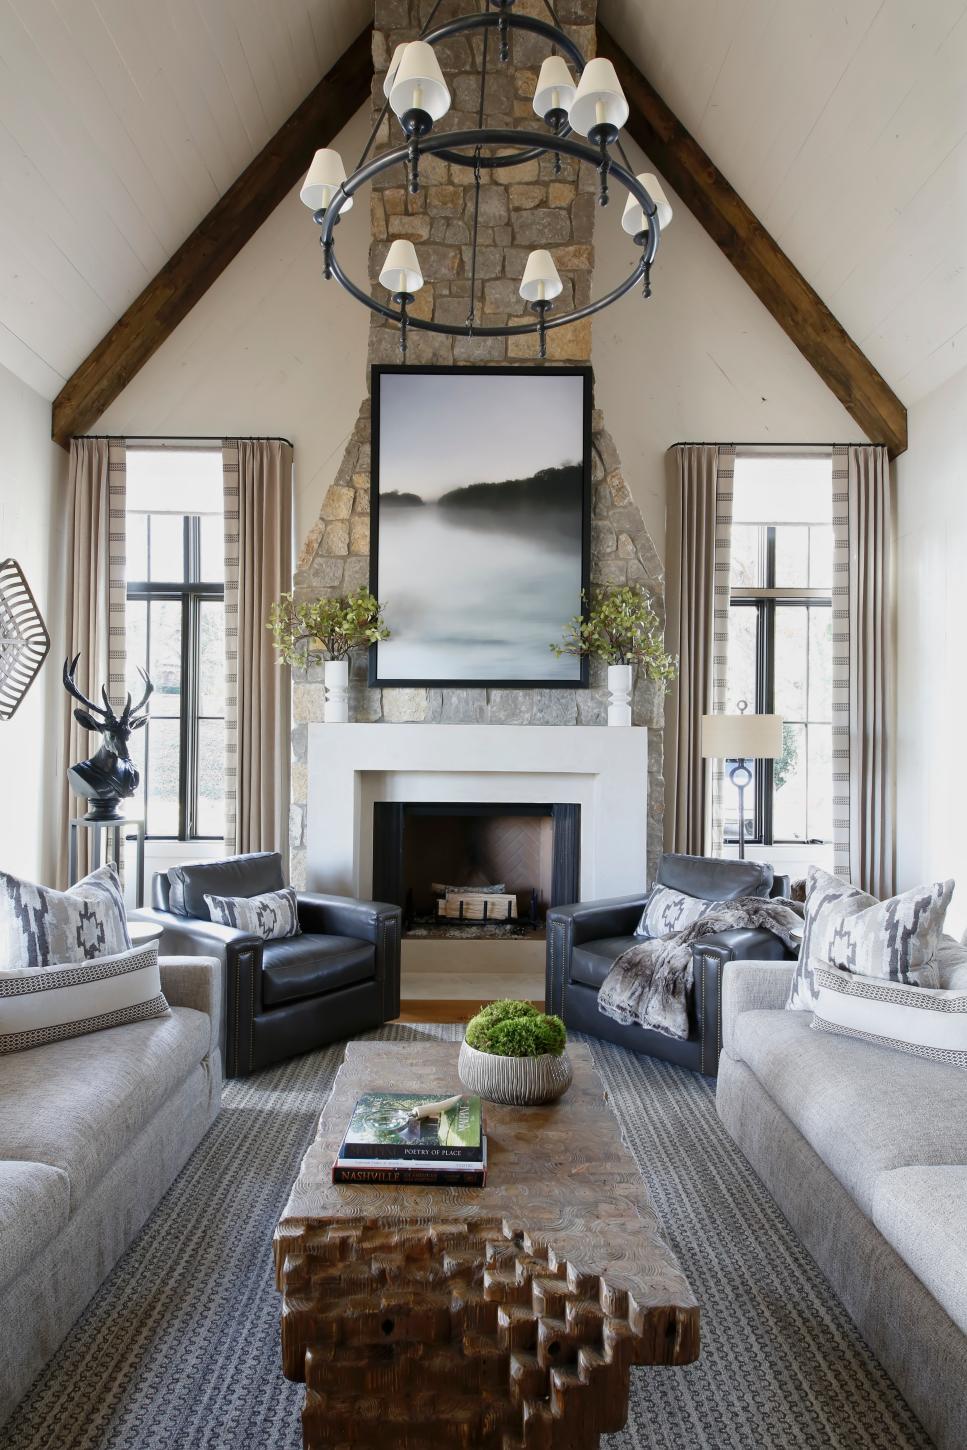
515 1055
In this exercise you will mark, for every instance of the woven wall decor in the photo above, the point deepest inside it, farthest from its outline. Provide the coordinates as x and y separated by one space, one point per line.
24 641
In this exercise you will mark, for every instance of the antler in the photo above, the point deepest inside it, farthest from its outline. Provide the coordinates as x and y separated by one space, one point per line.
71 687
148 692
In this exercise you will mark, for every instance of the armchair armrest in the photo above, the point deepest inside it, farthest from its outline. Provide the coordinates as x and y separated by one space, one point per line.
194 982
710 957
570 926
375 921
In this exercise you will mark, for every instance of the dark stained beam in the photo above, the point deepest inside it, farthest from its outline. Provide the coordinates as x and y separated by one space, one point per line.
758 259
232 222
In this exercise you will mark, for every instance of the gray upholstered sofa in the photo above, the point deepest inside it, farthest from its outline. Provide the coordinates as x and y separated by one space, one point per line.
92 1132
864 1148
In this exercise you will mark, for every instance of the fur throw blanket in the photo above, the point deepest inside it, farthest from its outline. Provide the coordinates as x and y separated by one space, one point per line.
651 982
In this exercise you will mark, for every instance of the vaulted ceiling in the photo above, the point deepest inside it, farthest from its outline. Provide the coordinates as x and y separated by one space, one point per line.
842 123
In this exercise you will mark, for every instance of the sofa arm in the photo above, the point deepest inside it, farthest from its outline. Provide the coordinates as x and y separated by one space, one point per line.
375 921
752 987
194 982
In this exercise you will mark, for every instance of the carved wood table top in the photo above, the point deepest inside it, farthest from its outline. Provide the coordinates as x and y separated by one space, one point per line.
500 1318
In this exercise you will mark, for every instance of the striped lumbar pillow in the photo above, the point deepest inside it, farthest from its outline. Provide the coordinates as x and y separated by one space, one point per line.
926 1021
271 916
37 1007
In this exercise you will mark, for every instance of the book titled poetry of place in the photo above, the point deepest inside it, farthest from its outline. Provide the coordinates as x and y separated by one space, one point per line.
415 1126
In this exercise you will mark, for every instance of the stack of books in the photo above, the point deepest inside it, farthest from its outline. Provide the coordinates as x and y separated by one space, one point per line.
411 1138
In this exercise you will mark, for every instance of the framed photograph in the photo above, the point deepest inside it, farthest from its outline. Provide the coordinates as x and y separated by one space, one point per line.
481 522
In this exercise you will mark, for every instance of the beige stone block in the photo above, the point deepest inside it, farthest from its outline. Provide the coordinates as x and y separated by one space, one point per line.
299 781
377 217
414 228
523 347
326 575
525 172
338 503
561 193
308 551
404 706
356 573
395 201
541 227
445 201
335 542
359 534
572 342
525 80
524 197
308 703
626 547
578 258
361 506
361 480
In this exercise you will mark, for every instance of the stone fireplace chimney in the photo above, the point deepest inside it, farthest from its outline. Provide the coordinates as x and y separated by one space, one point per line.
521 207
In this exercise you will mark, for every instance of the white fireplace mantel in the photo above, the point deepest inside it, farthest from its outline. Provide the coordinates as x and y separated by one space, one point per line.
351 767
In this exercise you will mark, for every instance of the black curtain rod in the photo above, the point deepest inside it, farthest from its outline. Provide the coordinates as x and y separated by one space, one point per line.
186 438
728 443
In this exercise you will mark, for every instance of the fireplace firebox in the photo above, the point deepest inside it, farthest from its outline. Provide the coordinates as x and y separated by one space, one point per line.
530 852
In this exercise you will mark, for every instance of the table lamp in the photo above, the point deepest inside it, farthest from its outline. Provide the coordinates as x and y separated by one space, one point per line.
738 739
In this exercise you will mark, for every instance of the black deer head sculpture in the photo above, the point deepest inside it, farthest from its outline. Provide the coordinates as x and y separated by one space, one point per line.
110 776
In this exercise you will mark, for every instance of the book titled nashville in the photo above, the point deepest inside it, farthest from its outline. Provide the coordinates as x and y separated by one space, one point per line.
412 1125
411 1172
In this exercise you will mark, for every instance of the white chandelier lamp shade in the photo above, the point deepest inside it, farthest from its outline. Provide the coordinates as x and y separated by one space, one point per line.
540 282
599 99
394 66
555 88
634 220
401 271
741 737
418 84
324 177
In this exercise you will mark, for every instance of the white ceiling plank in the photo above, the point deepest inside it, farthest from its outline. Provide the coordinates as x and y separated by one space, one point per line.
24 363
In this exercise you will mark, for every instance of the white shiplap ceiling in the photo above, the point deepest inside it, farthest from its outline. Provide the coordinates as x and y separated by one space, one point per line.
843 124
121 124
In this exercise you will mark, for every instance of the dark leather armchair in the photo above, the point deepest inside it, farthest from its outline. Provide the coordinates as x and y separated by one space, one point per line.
281 998
584 941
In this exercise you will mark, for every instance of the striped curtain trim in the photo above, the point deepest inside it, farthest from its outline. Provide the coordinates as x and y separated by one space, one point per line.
721 598
841 666
117 571
231 499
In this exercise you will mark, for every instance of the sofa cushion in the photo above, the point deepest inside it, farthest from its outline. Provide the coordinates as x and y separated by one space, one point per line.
41 927
77 1105
926 1021
249 875
714 877
864 1109
69 1001
592 961
311 964
922 1213
34 1206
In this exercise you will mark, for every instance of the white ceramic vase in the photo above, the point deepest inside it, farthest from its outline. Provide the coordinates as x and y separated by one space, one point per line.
337 692
619 694
518 1082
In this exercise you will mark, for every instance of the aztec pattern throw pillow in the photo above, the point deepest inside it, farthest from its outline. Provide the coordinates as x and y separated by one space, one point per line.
40 927
920 1020
68 1001
668 911
846 928
271 916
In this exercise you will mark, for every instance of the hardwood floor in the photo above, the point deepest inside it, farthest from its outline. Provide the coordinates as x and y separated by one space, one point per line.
441 1009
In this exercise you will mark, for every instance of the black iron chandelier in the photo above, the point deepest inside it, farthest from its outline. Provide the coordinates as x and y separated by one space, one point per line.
594 106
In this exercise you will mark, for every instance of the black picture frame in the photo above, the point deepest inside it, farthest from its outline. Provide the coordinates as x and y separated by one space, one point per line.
580 679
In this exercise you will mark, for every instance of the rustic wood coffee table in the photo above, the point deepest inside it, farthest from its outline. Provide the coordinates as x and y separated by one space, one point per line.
500 1318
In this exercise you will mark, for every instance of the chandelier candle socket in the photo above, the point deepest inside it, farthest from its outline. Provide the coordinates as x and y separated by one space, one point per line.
418 94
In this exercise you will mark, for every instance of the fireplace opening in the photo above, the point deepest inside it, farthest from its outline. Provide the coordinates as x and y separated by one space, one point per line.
480 870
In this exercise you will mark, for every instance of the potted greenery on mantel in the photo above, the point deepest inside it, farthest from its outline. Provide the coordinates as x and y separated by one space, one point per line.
622 629
514 1054
327 629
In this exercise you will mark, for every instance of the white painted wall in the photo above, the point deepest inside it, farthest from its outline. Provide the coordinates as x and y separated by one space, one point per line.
33 473
932 678
271 348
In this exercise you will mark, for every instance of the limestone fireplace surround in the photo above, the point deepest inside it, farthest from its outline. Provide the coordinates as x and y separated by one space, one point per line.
351 767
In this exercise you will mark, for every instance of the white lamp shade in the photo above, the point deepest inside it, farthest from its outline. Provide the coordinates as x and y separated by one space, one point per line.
418 84
742 737
323 177
599 98
634 220
555 88
394 66
401 270
540 282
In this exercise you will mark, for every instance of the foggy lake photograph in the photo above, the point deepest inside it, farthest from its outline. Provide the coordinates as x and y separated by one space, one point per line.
479 504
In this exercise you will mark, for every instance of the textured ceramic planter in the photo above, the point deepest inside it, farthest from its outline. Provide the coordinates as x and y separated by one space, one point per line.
337 692
519 1082
619 694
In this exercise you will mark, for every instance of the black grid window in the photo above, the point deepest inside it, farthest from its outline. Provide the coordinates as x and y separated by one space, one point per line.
175 631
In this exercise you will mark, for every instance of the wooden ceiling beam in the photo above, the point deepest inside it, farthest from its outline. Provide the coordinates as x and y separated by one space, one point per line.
758 258
232 222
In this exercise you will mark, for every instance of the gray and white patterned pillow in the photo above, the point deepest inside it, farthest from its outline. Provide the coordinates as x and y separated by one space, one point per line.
38 1007
925 1021
40 927
844 927
271 916
668 911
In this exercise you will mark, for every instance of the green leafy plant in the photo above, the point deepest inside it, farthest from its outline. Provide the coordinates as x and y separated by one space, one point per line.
622 628
328 627
516 1029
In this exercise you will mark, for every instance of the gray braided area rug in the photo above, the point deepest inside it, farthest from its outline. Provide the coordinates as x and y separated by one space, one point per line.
179 1348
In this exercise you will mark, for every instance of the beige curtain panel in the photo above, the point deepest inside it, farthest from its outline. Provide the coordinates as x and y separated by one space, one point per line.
697 565
864 681
258 568
95 594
